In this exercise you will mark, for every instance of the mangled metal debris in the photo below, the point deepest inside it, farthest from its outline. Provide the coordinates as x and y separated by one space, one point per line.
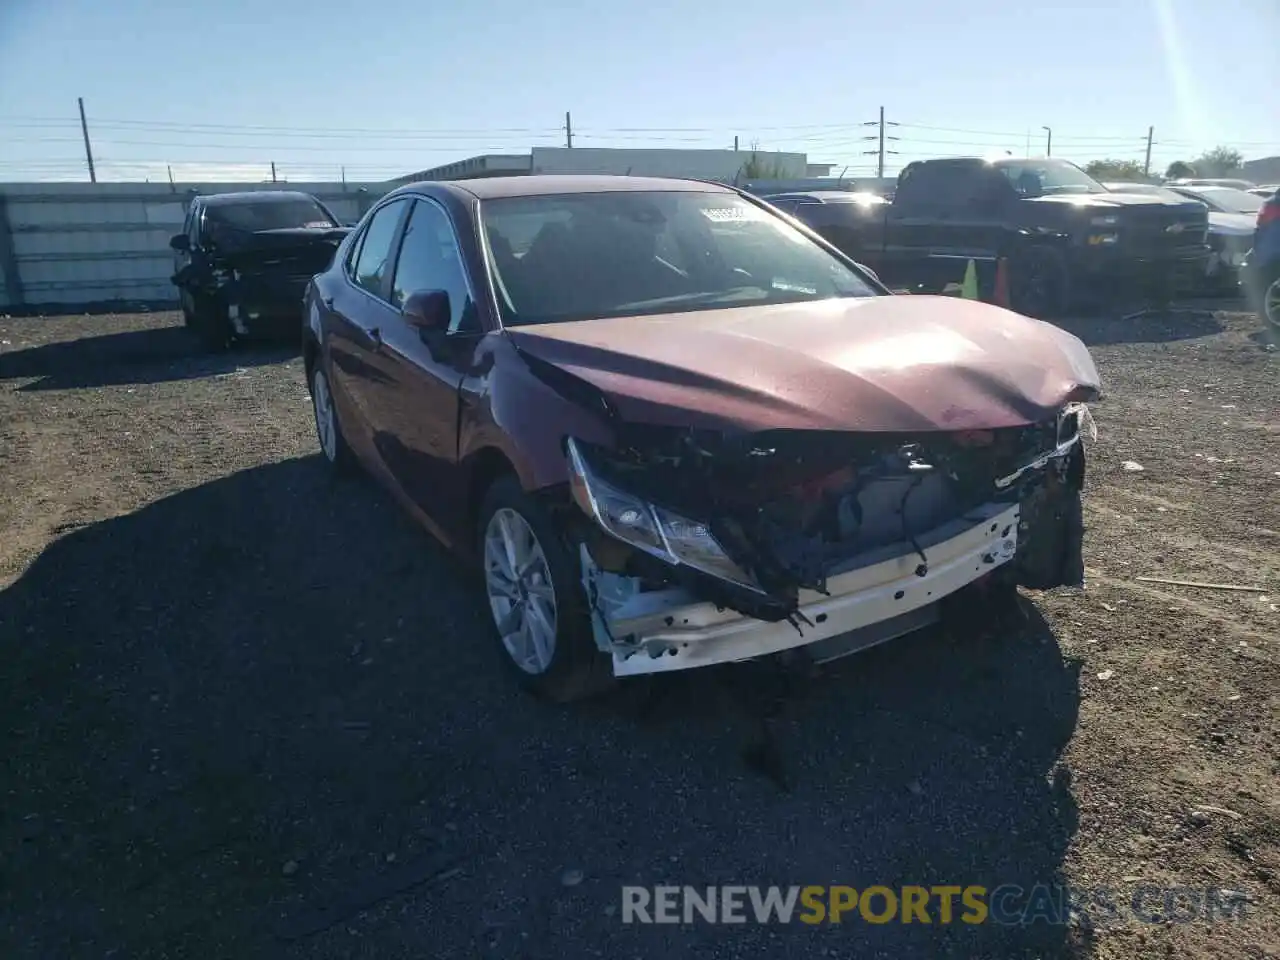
707 547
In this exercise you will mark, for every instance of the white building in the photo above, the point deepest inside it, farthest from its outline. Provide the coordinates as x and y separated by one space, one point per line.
724 165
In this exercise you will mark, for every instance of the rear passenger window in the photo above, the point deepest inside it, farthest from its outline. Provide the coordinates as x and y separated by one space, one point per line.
375 247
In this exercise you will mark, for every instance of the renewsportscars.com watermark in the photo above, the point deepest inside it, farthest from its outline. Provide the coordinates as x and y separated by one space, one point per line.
1006 905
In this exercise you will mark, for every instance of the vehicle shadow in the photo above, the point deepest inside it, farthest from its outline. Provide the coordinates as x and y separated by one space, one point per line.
93 308
1268 337
264 717
153 355
1160 325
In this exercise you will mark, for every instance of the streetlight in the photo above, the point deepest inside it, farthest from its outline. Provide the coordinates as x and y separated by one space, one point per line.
1048 141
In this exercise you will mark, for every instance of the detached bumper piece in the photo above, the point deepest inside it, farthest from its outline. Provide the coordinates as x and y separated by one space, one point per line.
875 597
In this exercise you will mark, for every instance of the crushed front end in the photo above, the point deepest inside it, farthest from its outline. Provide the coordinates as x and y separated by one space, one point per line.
260 278
699 548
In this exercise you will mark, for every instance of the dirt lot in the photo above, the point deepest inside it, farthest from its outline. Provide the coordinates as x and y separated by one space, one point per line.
250 712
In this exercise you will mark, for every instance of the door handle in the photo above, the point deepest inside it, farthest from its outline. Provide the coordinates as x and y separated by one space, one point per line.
375 337
328 303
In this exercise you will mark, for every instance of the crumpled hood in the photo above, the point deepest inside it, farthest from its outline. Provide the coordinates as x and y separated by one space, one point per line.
879 364
1233 224
235 246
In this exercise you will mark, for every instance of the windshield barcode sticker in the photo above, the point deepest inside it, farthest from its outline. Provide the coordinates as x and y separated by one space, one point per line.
789 287
727 215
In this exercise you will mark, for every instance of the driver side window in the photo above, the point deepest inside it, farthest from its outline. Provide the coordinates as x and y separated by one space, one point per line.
429 260
371 262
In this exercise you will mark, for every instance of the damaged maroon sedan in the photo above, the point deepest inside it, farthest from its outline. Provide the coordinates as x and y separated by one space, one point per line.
673 428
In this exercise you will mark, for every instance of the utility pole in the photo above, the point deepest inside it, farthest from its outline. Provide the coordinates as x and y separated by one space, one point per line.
568 130
88 150
735 144
1048 141
882 138
1028 153
1146 167
169 167
273 171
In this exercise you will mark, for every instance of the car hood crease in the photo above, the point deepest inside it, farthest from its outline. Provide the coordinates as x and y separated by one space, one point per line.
878 364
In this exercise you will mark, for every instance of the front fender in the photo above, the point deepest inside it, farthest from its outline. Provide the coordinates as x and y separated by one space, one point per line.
525 418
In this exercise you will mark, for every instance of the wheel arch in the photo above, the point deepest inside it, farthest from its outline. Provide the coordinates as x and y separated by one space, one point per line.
484 468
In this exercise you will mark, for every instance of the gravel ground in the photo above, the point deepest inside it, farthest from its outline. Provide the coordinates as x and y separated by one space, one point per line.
252 712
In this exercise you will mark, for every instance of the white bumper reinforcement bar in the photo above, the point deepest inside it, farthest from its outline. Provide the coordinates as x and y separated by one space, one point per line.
673 630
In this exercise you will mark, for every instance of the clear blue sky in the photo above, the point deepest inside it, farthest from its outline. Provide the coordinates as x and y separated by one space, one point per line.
401 85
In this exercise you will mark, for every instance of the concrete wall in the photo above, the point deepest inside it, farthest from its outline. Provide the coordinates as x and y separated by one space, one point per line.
74 244
699 164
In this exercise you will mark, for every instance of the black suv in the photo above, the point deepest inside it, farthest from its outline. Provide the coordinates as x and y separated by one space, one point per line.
242 261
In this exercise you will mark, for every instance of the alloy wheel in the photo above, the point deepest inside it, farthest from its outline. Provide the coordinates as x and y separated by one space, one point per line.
326 423
521 595
1271 303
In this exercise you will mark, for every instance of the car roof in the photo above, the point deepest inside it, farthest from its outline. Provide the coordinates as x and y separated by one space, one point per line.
253 196
492 188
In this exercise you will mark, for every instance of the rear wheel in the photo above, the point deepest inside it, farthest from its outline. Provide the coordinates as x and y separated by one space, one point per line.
1040 282
332 444
536 599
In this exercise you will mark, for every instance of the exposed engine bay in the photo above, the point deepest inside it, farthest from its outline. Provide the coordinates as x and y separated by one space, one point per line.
757 523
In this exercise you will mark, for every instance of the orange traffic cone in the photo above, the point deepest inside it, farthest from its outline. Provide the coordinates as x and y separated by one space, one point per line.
1002 283
969 287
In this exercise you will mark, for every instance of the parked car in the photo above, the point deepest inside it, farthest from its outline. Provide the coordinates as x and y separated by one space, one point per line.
671 427
242 261
1260 274
1232 214
841 216
1266 192
1062 232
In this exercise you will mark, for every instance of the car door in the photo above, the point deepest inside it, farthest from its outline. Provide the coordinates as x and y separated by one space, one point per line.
358 310
417 433
944 215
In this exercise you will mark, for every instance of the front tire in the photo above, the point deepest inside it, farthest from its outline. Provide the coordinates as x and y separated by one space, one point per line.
207 318
1040 282
540 615
1269 305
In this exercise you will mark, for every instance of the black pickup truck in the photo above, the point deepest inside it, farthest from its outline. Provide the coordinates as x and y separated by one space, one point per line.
1065 236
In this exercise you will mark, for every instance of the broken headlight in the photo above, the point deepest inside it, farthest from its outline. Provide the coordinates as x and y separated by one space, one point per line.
655 530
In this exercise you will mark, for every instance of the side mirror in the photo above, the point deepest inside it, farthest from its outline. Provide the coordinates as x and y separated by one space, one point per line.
180 242
428 311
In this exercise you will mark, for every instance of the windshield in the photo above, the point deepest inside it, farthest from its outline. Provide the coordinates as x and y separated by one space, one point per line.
586 255
254 215
1226 199
1038 178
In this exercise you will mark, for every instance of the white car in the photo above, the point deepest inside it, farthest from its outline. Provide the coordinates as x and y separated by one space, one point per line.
1233 214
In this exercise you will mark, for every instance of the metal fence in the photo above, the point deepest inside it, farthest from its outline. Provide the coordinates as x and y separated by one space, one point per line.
68 245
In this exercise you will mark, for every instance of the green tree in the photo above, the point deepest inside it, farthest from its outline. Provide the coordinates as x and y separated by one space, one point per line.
1127 170
1178 169
757 167
1218 162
